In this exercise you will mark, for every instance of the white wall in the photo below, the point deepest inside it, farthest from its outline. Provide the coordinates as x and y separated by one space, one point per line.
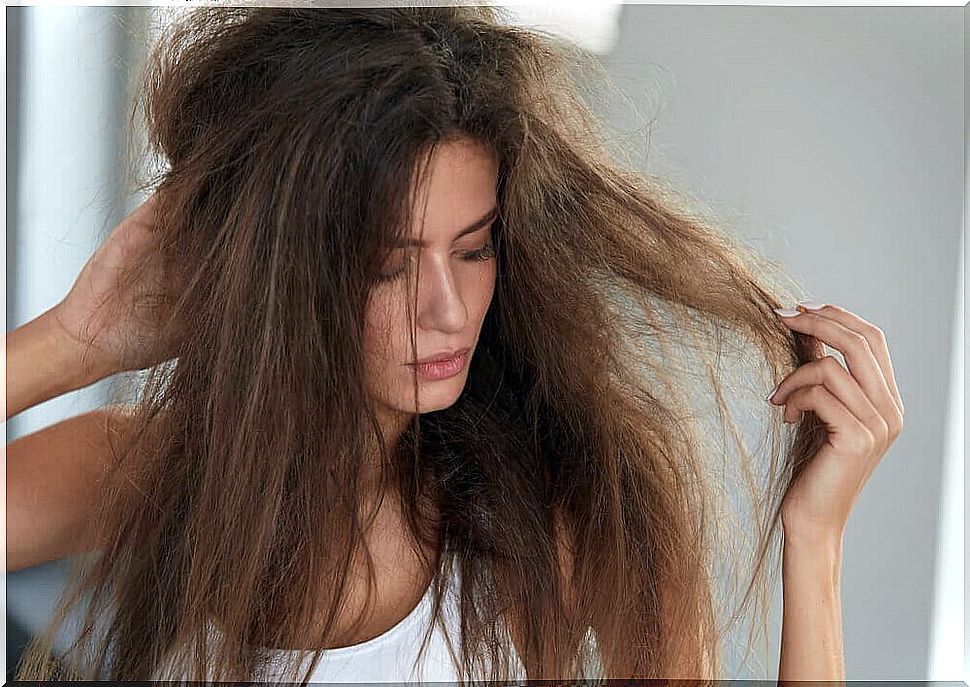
65 192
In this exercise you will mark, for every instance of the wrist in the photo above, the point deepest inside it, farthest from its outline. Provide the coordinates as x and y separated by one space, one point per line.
822 548
76 364
811 531
44 362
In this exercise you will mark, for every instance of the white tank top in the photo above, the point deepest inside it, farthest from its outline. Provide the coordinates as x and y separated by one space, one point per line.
393 655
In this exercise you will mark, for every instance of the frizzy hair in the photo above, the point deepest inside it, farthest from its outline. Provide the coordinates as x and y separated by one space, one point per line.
290 139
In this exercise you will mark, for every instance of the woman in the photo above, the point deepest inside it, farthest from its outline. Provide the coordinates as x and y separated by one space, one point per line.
348 193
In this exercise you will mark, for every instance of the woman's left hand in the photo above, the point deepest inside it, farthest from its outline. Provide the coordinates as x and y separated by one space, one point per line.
861 409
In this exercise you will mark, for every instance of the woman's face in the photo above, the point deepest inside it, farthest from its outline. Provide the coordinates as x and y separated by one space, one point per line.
454 287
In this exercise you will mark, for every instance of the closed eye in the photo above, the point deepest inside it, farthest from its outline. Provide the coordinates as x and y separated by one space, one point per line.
486 252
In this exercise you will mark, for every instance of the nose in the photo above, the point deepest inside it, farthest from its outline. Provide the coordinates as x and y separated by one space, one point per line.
440 304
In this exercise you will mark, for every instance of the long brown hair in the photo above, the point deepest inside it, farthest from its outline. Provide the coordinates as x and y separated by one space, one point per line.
290 137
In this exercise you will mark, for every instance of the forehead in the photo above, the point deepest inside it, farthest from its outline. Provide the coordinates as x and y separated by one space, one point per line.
458 192
427 239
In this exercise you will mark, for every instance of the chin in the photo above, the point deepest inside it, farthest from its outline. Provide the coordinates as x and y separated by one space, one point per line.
434 396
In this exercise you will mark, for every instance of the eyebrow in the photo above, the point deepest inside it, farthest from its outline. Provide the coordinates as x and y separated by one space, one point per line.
474 226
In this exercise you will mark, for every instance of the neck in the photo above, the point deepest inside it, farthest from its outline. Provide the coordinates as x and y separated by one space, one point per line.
392 424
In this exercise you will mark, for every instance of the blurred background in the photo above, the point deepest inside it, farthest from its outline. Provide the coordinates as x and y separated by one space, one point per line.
831 138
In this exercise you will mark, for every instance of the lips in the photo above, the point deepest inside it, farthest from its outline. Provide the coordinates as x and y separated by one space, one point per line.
442 357
442 369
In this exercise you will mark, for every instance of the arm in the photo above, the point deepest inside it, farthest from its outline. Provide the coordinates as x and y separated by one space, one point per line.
43 363
811 635
54 482
110 321
53 475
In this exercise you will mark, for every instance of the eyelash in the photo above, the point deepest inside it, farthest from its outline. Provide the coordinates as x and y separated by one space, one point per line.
486 252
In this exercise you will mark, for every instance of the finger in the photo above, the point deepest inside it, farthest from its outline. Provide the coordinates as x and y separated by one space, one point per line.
846 432
874 335
858 356
829 373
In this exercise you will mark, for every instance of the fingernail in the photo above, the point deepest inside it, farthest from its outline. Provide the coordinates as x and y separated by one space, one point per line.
772 393
811 305
787 312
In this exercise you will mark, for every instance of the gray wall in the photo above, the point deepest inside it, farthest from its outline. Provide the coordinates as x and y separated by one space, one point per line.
833 139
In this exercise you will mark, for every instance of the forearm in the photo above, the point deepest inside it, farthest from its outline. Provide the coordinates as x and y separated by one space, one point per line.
42 363
811 635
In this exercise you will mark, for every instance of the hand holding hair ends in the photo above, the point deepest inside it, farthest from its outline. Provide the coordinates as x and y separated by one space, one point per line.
859 406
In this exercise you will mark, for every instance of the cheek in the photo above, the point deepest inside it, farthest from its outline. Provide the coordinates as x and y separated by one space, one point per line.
378 326
485 290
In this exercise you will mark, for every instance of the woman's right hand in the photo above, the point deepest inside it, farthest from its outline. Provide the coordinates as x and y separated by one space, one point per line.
114 311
